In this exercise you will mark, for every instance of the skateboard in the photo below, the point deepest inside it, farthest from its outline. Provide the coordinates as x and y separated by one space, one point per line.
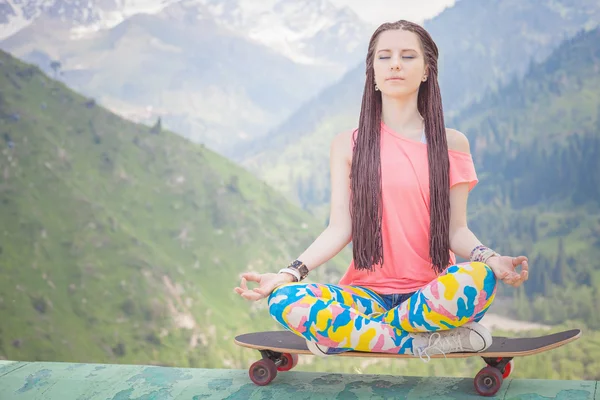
280 350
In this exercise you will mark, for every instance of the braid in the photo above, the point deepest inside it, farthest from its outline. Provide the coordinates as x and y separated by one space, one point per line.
366 208
366 182
429 105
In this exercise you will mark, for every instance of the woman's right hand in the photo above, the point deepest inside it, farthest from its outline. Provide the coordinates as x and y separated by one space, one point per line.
266 284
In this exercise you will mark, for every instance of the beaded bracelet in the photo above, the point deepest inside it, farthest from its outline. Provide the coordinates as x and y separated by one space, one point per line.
482 254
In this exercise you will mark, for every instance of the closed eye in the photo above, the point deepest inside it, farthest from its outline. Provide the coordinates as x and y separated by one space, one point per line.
407 57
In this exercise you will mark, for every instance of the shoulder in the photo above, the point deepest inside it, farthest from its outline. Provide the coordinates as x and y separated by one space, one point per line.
457 141
343 144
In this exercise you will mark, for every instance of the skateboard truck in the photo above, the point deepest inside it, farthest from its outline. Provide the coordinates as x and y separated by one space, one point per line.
500 363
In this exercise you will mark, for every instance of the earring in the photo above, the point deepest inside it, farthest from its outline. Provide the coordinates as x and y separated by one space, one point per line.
424 78
376 88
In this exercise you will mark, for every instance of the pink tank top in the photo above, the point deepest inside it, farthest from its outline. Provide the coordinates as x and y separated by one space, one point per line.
405 226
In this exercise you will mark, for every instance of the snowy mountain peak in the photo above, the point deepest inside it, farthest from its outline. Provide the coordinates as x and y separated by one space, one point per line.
306 31
83 15
303 30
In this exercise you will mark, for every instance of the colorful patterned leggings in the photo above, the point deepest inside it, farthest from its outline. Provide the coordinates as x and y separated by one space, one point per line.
357 318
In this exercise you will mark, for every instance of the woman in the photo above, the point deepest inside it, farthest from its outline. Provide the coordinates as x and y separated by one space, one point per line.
399 189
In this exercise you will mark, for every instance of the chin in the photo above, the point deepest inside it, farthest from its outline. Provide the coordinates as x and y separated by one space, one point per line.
399 92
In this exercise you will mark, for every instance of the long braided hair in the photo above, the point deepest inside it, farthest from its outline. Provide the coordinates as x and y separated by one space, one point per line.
366 208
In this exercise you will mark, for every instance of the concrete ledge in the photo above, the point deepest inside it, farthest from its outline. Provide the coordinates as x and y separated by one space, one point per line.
68 381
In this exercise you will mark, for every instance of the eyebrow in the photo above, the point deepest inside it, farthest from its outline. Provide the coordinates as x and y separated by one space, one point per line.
400 50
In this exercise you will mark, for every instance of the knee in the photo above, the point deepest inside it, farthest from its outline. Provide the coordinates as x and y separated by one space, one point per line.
281 297
487 275
477 271
481 268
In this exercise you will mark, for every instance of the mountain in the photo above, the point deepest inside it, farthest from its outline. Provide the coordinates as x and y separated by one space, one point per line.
305 138
15 15
306 31
536 143
207 69
483 45
91 15
178 65
554 110
123 243
473 60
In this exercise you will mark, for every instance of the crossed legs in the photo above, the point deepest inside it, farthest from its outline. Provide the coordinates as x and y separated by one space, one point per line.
355 318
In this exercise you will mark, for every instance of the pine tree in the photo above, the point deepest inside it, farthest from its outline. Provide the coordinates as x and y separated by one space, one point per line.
597 127
533 229
560 266
594 321
523 306
546 283
157 128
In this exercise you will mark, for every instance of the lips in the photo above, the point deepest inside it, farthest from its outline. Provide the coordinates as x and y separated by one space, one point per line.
395 78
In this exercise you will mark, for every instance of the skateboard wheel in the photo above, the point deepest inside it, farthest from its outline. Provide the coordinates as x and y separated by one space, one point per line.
488 381
508 369
262 372
288 361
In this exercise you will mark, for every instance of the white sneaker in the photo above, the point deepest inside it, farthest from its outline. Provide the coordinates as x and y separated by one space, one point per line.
323 351
471 337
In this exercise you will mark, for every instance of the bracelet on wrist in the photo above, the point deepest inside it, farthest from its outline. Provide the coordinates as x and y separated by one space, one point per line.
295 274
299 266
482 253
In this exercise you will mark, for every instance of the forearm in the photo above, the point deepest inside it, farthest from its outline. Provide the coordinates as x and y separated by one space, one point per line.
326 246
462 241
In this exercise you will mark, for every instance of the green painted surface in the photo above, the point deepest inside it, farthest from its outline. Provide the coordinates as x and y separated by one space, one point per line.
69 381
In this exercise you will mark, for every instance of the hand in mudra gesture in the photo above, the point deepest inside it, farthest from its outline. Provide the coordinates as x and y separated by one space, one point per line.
505 269
266 284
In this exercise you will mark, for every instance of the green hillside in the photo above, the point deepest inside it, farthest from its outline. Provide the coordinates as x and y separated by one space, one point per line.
537 146
485 44
123 243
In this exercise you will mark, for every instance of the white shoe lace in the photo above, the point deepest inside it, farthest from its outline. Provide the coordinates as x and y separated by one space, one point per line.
450 340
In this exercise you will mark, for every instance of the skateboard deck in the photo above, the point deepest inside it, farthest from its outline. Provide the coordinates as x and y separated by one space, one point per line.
280 350
288 342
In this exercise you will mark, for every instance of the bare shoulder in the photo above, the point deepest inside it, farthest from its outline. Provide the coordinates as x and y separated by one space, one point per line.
342 144
457 141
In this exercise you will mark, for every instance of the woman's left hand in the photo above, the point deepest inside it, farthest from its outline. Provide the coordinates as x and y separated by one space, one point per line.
504 268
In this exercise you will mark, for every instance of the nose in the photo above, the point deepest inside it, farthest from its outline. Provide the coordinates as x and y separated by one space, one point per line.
394 63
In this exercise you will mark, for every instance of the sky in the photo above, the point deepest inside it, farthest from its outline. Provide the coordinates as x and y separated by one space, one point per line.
379 11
